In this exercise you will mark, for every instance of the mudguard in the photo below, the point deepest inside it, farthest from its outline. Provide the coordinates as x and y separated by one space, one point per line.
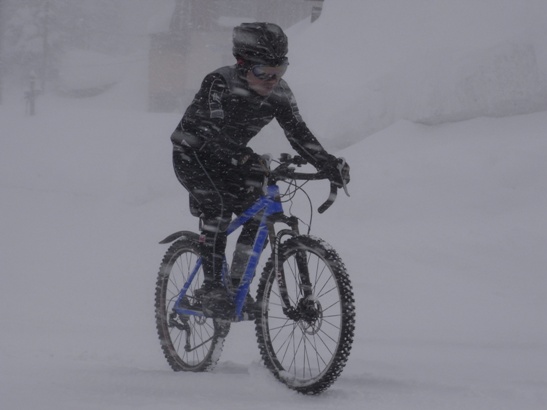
177 235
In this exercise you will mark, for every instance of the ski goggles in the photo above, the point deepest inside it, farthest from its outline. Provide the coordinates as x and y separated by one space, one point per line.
265 73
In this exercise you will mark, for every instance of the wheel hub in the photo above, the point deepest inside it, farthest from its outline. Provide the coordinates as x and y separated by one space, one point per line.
311 315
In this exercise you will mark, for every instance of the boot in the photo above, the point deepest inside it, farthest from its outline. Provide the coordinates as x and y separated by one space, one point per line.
212 295
217 303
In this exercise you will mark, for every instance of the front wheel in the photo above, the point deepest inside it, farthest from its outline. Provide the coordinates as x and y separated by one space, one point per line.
189 342
307 317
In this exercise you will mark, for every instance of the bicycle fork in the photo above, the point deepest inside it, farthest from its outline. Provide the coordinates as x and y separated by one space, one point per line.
294 311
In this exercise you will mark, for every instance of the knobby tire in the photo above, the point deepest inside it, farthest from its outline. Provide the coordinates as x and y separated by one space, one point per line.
306 348
189 343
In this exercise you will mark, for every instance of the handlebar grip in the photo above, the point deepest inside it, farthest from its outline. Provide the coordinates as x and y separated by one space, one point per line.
330 200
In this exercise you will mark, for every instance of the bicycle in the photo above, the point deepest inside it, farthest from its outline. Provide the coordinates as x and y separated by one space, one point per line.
305 318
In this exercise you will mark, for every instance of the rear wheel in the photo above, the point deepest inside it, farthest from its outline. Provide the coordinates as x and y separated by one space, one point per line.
305 327
189 342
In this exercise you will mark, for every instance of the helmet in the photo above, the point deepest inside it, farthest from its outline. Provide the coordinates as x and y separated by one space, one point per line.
260 43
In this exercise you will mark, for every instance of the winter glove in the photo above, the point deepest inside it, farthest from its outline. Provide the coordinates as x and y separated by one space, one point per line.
252 162
253 168
243 156
337 171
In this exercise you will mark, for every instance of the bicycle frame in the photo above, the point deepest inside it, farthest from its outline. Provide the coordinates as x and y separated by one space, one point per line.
268 204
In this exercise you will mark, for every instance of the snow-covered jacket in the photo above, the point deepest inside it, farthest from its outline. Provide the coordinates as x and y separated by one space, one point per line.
226 114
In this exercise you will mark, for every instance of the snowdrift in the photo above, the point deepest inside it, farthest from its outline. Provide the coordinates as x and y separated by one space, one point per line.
424 61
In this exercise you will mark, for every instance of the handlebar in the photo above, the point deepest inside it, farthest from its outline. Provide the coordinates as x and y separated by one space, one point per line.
284 171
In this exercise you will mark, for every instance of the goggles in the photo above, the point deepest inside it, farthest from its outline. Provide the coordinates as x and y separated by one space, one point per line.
265 73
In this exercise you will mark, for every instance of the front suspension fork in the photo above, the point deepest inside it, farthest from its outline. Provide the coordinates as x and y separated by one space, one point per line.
290 309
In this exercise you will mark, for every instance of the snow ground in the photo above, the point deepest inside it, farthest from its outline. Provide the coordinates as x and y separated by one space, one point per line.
444 235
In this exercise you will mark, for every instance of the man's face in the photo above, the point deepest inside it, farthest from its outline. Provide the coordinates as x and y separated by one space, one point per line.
263 79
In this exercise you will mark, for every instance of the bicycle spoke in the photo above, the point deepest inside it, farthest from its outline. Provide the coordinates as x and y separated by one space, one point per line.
306 345
188 342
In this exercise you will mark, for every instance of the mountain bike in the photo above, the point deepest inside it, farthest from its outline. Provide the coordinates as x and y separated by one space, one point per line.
304 312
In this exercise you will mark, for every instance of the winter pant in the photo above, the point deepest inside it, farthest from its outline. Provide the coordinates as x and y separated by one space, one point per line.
220 191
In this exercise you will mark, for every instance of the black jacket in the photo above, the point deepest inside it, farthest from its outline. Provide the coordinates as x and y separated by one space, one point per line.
226 114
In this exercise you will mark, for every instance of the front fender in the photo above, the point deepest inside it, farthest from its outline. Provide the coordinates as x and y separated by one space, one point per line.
177 235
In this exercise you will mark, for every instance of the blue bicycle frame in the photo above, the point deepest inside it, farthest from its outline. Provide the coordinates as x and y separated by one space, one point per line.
268 204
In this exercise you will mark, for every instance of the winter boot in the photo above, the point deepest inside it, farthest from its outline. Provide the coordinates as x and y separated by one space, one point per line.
212 295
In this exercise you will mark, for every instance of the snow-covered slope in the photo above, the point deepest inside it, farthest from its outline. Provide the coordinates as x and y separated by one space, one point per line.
444 236
426 61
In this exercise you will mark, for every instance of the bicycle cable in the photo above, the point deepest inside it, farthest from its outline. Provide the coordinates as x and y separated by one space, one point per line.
290 193
292 189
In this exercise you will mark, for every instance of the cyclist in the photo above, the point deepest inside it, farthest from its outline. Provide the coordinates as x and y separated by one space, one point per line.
210 154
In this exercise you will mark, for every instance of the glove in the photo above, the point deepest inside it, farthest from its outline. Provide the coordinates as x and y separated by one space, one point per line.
244 156
253 168
252 162
337 171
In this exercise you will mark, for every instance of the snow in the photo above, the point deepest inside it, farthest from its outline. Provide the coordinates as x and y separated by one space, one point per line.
424 61
444 234
85 70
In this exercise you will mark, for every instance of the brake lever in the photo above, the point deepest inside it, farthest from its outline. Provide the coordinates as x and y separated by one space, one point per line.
340 168
330 200
345 186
